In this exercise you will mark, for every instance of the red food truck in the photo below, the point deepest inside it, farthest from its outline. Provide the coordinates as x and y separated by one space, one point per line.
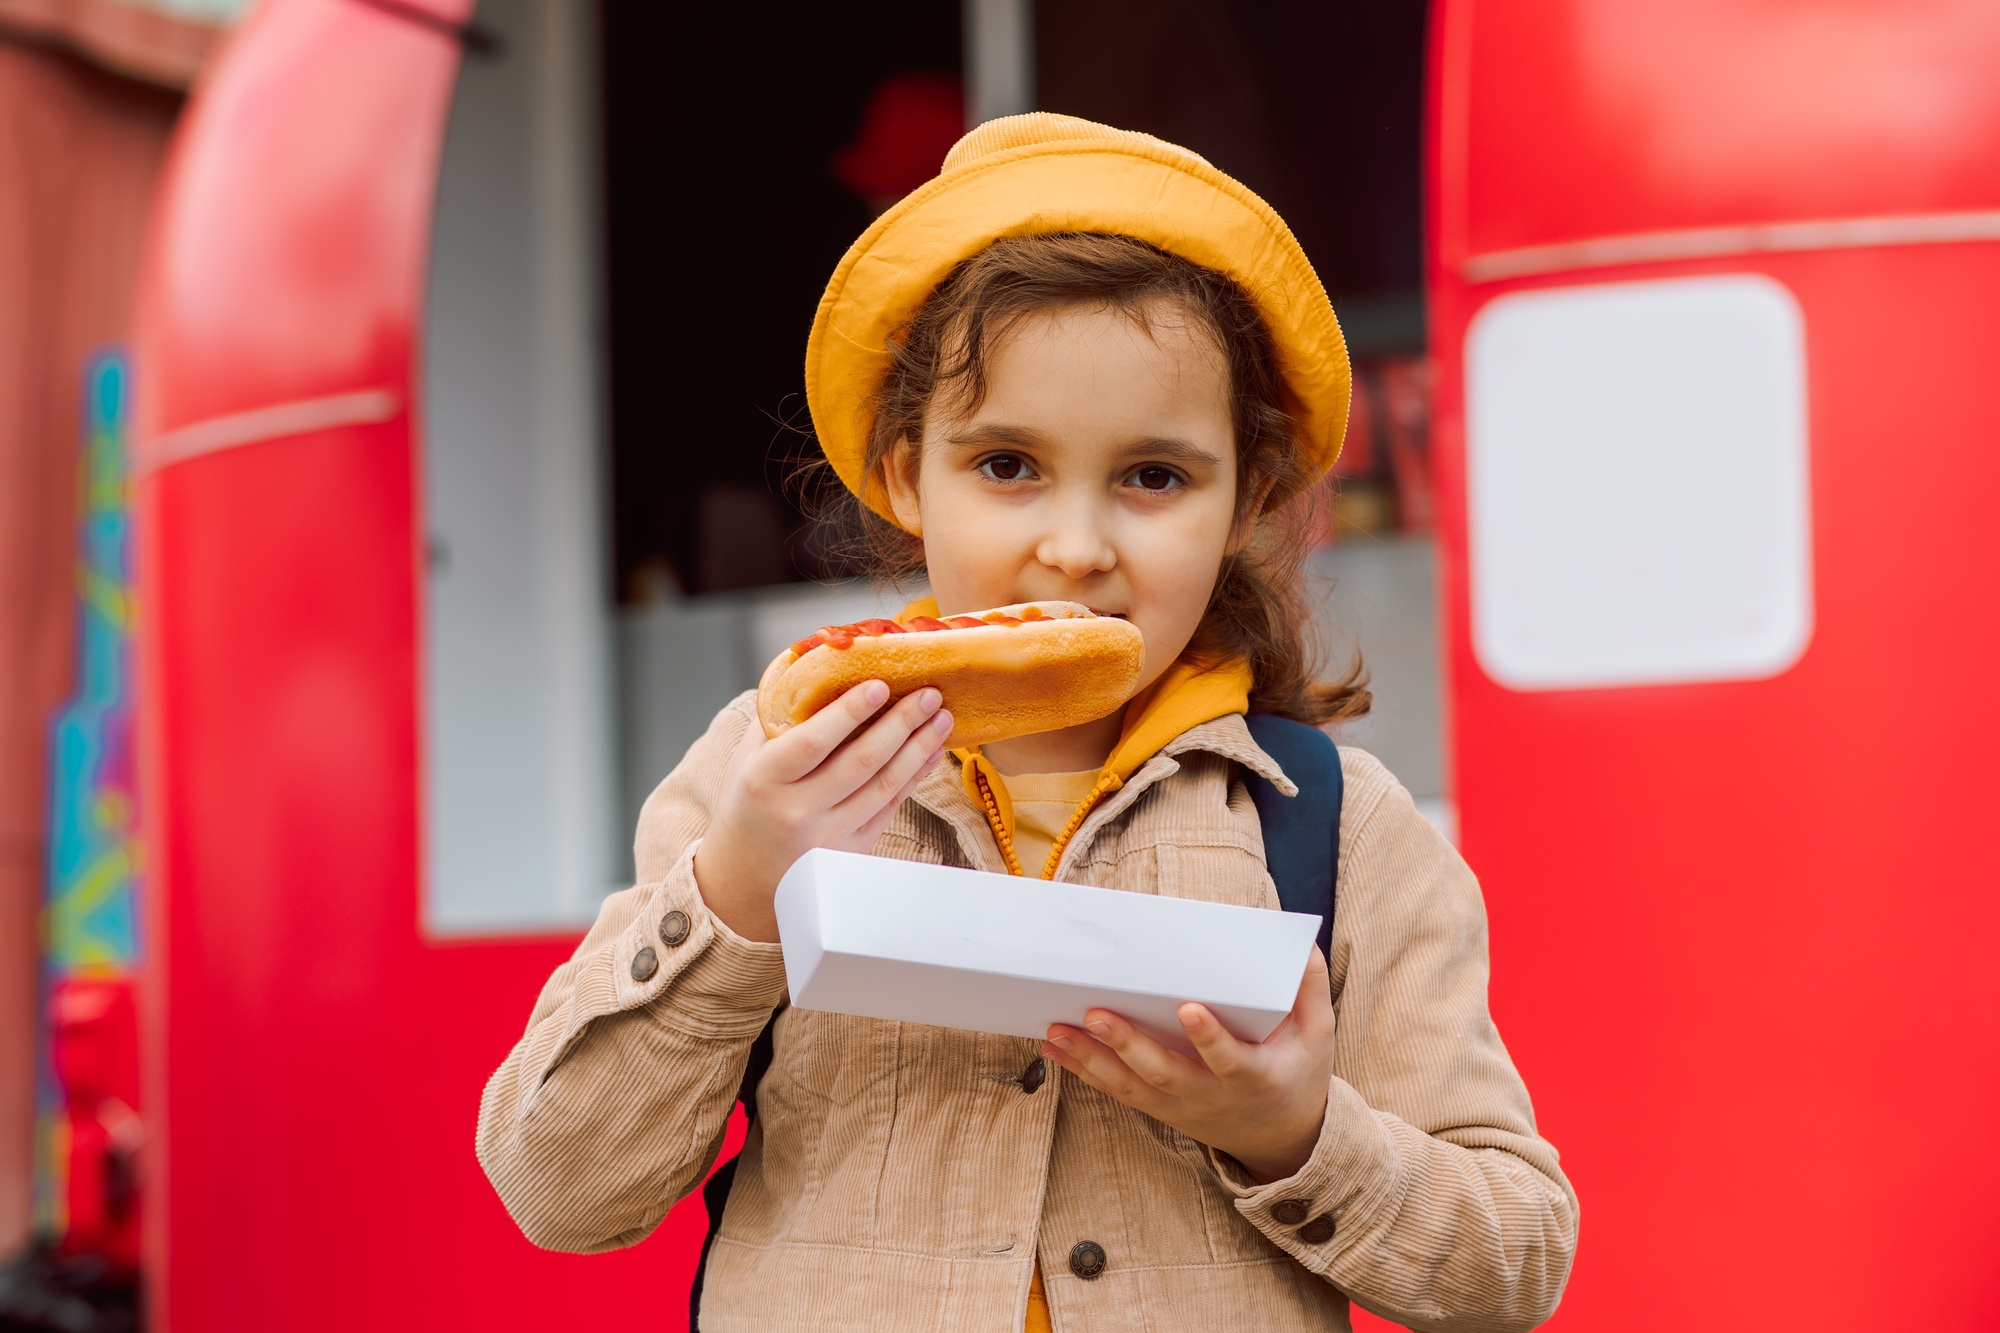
1713 309
1714 294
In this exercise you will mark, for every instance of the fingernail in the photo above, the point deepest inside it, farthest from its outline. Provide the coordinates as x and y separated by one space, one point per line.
1057 1039
874 692
1099 1030
1191 1019
942 722
928 699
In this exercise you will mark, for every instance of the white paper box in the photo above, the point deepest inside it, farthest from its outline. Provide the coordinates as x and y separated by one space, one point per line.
883 938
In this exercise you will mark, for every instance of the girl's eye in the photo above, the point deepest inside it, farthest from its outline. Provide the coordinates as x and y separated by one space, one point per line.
1154 477
1005 467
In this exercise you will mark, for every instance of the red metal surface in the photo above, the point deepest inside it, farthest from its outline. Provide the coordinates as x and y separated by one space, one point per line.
1579 118
316 1064
93 1036
1744 934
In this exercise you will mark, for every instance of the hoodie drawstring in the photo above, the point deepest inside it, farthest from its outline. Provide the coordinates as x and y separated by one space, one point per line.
1106 784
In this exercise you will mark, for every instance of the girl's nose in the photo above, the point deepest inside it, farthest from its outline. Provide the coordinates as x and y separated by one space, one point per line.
1077 544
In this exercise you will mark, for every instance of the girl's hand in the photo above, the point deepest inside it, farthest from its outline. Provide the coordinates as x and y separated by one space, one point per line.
1260 1102
821 784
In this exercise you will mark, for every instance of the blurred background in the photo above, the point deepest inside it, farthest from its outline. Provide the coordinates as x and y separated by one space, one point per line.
403 455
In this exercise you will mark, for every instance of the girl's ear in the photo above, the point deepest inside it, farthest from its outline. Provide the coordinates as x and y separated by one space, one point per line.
899 479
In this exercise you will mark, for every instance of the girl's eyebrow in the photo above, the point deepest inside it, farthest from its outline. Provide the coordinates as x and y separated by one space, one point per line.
1172 450
1165 447
994 432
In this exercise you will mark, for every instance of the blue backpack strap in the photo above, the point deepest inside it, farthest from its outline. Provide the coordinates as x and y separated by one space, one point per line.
1301 833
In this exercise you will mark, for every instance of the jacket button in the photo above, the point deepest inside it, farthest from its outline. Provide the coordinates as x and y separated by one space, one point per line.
1289 1212
1087 1259
644 964
673 927
1318 1231
1036 1074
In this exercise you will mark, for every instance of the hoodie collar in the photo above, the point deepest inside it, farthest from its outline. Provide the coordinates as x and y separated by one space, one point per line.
1188 695
1192 706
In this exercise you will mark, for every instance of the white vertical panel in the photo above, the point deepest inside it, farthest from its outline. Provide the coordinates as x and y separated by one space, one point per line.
999 58
1638 501
519 761
682 659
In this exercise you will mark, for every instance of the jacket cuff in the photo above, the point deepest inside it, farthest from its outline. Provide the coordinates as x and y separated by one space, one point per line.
699 975
1353 1172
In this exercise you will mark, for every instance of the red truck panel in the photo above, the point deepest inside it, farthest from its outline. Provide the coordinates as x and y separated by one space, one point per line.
317 1063
1744 932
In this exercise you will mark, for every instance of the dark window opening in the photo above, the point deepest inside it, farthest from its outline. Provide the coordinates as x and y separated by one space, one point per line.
1316 106
728 203
744 151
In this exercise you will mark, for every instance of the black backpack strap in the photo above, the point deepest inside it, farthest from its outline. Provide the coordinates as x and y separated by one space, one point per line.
715 1190
1302 833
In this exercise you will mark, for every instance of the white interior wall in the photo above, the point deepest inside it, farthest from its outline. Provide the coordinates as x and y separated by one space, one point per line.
519 762
680 661
1379 595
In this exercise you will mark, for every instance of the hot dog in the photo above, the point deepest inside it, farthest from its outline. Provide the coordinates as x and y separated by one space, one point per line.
1034 666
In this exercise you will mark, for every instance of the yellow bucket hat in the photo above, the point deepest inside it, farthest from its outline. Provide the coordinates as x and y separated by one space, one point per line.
1039 173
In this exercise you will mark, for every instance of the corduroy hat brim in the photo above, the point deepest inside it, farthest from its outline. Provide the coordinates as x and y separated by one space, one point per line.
1033 175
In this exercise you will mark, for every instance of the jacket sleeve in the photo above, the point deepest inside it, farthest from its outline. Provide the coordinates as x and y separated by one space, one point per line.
1429 1198
613 1104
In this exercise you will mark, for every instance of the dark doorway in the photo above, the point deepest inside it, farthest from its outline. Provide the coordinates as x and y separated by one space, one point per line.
1316 106
726 213
725 217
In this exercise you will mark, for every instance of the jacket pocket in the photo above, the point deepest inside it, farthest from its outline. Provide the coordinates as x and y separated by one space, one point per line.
835 1057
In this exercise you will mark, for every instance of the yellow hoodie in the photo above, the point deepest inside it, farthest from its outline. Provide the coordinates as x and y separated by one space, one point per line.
1187 695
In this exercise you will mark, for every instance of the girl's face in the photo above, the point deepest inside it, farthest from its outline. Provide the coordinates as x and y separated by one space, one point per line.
1100 468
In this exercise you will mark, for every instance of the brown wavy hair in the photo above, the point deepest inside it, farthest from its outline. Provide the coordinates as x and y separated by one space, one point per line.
1258 610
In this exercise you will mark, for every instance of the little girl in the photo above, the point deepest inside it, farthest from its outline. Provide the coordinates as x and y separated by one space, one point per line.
1081 364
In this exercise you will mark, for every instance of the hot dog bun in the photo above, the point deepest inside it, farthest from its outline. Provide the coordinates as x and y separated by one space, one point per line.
1061 665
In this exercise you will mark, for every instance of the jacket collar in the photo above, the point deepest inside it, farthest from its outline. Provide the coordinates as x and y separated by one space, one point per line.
943 790
1230 737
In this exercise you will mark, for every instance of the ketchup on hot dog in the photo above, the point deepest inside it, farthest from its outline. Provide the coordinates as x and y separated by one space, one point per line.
843 636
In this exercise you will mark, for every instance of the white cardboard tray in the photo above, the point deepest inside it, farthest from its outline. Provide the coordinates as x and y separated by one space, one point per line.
920 943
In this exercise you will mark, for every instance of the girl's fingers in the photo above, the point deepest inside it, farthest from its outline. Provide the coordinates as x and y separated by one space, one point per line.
1159 1067
805 747
885 789
863 757
1312 1011
1098 1065
1226 1057
872 830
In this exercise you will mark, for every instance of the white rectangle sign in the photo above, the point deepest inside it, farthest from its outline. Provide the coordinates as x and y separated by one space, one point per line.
1638 499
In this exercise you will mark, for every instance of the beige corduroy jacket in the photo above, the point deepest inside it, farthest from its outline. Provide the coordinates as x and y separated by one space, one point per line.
903 1177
